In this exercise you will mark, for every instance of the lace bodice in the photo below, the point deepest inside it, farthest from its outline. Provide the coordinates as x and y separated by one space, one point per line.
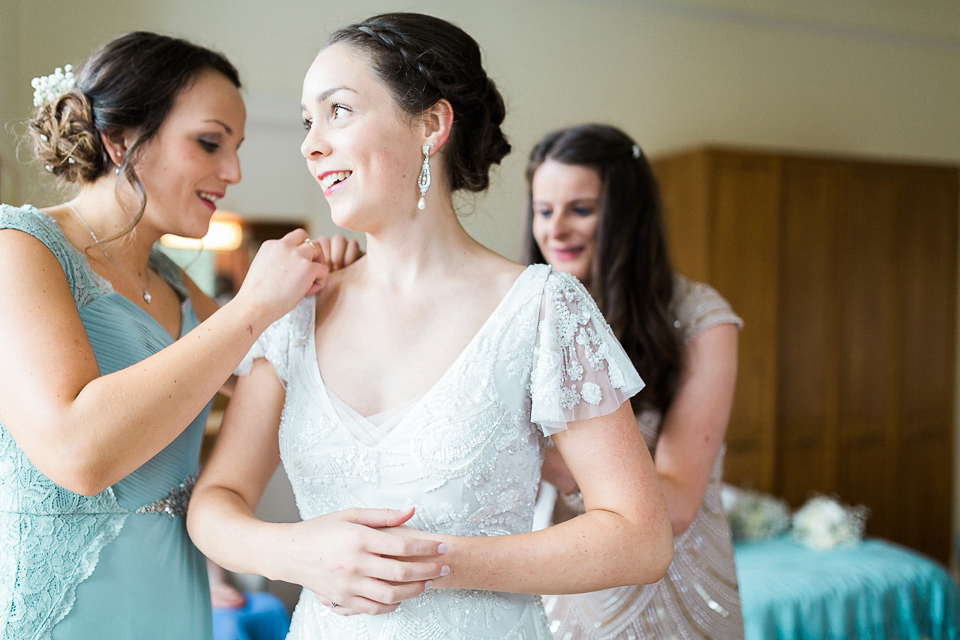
51 539
466 454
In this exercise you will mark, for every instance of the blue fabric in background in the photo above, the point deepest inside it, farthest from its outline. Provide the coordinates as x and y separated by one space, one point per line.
263 618
875 590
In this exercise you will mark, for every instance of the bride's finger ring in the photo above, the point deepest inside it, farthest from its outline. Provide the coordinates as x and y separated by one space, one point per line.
333 605
308 241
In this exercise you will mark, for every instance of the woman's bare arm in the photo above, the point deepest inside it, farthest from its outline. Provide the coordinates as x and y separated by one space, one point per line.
86 431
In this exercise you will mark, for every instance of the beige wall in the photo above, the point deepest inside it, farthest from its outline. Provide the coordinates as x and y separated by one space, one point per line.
9 68
868 77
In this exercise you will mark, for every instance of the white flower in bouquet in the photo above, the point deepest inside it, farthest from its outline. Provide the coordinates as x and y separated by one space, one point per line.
824 523
754 515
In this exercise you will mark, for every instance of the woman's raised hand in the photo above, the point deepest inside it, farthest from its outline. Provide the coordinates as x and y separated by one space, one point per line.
352 558
282 273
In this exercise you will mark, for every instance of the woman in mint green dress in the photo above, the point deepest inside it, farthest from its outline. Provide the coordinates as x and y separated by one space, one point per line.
111 355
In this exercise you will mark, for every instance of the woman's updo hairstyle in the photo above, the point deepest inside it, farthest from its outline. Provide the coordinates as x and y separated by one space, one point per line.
423 59
128 84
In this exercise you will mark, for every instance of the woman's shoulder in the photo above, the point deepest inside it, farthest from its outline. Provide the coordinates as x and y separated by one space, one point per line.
700 307
45 227
30 219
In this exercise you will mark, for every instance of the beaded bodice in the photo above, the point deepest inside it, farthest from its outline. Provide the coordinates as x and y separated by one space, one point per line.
466 454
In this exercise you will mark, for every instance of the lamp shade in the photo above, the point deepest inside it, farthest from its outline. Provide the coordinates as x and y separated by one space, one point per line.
225 234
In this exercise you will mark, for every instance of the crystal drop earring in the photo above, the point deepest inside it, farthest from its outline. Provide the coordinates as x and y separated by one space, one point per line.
423 181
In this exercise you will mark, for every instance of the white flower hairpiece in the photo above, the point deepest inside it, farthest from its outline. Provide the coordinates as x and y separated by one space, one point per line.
49 88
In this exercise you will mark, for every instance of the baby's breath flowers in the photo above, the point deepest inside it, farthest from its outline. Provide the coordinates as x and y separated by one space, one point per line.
49 88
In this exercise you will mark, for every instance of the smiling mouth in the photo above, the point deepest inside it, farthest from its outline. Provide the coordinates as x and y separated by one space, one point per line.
334 178
210 197
567 254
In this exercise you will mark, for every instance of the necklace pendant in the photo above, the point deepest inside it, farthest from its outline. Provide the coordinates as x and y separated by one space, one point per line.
147 297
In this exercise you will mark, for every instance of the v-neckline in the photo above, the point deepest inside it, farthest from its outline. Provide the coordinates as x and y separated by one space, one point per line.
110 290
415 402
185 307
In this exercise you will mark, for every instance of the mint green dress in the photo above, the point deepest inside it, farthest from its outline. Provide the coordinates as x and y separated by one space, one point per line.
117 565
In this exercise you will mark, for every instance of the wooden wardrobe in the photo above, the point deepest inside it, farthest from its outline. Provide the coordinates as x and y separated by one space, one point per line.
845 273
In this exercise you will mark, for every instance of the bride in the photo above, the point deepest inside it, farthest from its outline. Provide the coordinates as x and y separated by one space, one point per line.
426 376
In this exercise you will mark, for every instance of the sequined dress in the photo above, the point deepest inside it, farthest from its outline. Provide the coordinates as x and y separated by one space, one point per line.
117 565
466 454
698 598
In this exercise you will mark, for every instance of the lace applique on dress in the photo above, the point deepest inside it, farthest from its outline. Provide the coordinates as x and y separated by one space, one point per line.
85 283
50 538
43 555
466 453
275 343
576 359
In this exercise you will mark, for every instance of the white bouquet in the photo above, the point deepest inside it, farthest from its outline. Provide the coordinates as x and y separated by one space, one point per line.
754 515
824 523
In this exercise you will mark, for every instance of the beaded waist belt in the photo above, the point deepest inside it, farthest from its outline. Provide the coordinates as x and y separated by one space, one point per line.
175 503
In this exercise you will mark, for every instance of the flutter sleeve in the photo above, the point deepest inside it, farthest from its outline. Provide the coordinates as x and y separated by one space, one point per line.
278 343
580 371
700 307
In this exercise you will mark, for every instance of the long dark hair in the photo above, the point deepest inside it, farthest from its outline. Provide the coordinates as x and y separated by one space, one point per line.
631 276
423 59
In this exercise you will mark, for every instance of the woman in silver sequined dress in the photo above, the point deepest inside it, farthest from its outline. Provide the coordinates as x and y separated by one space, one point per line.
595 213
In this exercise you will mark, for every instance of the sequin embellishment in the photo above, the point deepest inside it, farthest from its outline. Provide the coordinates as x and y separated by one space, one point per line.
175 503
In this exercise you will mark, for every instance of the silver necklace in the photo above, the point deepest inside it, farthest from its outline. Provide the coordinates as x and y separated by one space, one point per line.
146 294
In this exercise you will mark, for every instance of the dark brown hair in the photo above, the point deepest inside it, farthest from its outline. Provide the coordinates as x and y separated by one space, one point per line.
423 59
631 275
128 84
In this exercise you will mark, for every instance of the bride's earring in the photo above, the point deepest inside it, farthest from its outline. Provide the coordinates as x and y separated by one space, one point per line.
423 181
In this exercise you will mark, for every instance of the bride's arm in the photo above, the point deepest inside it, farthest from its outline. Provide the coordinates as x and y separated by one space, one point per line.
342 557
623 538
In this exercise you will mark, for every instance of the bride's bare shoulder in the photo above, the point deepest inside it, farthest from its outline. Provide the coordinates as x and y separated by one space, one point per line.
337 283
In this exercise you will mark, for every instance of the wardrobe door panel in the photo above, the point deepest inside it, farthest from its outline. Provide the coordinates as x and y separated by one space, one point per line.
869 370
683 189
927 215
845 273
745 195
924 508
812 193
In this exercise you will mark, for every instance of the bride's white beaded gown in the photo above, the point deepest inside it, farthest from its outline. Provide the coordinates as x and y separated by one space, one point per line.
466 453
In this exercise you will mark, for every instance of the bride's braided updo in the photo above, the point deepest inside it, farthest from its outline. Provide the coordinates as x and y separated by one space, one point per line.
422 60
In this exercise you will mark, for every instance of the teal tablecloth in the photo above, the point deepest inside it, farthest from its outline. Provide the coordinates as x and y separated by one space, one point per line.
876 590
